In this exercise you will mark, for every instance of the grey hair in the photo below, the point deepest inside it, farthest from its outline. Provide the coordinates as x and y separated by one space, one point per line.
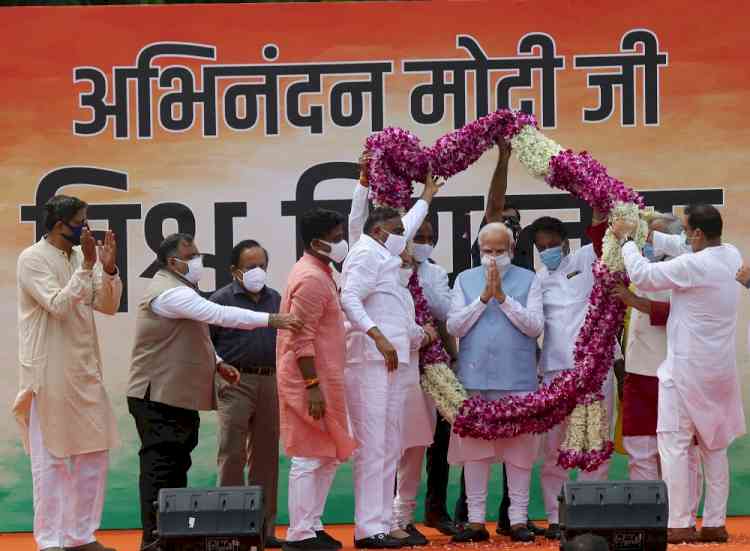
492 227
672 224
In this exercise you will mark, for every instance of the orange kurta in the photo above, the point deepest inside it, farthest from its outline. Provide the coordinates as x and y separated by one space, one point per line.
312 296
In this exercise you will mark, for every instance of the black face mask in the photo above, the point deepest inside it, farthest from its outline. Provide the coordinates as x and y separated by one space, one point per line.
75 239
514 225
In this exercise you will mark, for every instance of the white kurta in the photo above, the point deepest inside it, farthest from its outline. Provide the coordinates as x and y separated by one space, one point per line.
647 344
565 295
58 349
701 335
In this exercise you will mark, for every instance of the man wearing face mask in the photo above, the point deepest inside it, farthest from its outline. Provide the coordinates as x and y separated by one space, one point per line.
646 349
67 422
497 315
248 412
173 367
434 282
314 426
567 281
699 391
377 343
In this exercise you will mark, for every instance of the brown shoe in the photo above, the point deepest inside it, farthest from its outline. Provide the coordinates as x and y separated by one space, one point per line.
714 535
681 535
93 546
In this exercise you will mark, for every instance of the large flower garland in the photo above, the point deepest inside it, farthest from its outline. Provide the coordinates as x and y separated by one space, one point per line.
397 158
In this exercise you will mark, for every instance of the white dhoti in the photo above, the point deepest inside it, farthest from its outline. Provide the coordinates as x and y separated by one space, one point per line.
310 480
680 467
553 477
643 457
375 402
477 456
68 492
417 430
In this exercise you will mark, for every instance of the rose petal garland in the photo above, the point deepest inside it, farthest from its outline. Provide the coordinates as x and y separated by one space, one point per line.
397 159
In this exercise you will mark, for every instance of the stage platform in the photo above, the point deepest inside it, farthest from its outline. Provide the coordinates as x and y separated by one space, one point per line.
127 540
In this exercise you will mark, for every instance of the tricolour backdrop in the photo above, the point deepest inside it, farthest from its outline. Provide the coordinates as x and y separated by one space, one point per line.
229 121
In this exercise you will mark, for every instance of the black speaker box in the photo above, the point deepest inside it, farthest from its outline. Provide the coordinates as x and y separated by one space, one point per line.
215 519
630 515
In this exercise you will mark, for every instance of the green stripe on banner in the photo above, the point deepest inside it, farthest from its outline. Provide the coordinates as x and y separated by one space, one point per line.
121 506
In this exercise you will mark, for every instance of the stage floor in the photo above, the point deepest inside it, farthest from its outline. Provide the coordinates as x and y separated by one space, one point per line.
127 540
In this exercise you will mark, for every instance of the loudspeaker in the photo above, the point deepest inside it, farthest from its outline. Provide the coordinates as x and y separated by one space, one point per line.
630 515
215 519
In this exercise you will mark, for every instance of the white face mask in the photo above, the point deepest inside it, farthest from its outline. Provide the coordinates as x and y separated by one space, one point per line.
502 261
404 275
338 251
422 252
195 269
395 244
254 280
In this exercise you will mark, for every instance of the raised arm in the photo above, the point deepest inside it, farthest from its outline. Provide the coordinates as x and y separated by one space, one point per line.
360 209
498 185
107 282
36 278
678 273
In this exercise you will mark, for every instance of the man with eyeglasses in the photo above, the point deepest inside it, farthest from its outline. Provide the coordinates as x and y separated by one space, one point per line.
173 367
248 412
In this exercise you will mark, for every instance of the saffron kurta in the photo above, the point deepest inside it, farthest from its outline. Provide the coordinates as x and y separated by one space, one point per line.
58 350
311 295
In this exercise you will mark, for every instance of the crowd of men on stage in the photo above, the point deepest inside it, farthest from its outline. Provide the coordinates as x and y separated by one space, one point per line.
331 368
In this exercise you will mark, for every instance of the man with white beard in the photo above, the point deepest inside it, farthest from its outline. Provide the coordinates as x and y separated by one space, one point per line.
699 391
497 315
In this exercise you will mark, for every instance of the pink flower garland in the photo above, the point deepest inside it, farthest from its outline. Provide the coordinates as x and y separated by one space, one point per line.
435 352
398 159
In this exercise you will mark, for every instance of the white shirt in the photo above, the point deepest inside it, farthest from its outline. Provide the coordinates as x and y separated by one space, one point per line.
434 282
669 244
528 319
565 294
647 344
701 333
432 278
372 296
185 303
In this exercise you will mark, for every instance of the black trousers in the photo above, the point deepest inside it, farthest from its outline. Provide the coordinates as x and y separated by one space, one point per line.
438 471
462 511
168 436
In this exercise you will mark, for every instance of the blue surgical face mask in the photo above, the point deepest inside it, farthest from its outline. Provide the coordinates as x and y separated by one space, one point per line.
552 257
648 252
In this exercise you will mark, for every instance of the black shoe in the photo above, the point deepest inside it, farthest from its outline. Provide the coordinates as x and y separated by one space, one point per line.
326 538
503 529
272 542
534 529
378 541
553 532
310 544
521 533
467 534
442 524
416 538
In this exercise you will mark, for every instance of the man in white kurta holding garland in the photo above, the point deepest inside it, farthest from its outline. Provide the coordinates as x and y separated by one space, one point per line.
497 315
68 425
378 344
699 391
419 416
